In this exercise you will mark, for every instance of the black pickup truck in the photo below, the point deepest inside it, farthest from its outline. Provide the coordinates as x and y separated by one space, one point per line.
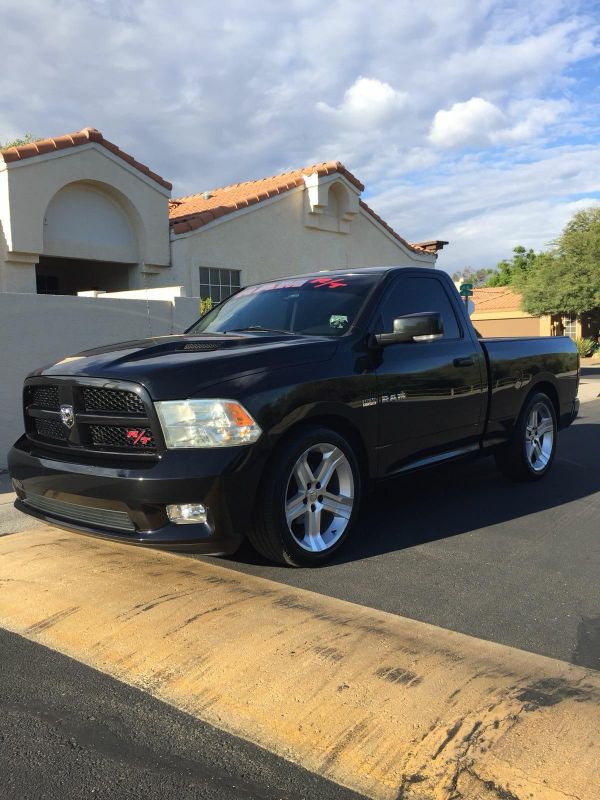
268 416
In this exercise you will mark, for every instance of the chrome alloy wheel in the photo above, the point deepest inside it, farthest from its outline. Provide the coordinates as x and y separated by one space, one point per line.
319 497
539 437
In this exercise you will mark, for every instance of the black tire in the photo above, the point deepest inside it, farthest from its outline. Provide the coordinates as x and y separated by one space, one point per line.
514 459
271 535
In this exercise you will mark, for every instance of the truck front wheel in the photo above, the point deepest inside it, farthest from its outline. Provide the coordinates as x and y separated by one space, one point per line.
309 499
530 453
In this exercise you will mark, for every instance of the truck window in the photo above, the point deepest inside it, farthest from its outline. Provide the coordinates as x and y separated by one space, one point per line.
413 294
313 306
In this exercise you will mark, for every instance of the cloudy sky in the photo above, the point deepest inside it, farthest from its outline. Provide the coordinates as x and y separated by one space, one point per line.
475 121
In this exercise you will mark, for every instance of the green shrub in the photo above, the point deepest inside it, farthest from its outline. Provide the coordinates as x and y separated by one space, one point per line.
206 305
585 347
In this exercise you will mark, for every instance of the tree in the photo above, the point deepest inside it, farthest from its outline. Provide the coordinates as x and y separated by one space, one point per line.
27 139
477 277
511 272
566 279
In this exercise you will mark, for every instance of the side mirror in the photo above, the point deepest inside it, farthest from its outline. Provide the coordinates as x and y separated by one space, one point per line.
423 327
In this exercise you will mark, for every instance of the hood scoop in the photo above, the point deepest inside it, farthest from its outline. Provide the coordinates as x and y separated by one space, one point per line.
201 347
218 343
223 342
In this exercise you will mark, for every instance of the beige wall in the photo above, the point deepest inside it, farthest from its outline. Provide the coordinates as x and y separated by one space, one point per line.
272 240
41 329
162 293
87 205
515 326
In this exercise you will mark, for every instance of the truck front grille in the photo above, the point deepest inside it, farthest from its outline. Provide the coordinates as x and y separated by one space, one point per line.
118 437
119 400
45 397
86 515
51 429
90 416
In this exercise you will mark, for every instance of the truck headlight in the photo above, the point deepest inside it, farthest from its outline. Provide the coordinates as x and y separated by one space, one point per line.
206 423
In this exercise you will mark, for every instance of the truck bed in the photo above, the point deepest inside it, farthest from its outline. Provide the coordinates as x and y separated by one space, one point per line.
515 364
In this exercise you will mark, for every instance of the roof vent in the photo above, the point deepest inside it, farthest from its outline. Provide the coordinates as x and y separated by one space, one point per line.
207 195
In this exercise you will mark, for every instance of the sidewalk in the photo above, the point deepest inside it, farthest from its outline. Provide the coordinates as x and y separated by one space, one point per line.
589 387
6 492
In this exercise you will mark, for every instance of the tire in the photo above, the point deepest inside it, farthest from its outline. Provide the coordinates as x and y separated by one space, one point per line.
530 453
314 480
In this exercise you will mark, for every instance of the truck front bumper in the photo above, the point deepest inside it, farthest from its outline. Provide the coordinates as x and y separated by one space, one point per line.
127 501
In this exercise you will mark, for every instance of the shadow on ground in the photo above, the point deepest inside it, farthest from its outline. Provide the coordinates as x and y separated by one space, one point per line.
464 496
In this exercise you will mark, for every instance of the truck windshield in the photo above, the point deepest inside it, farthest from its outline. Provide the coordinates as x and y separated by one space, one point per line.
325 306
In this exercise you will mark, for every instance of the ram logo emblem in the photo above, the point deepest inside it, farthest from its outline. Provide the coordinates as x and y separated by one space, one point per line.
67 416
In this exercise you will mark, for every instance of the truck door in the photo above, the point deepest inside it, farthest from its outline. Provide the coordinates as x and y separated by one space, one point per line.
431 394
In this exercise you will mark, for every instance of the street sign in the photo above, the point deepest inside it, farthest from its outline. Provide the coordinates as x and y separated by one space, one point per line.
466 289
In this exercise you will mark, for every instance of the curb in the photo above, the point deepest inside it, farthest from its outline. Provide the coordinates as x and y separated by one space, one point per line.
390 707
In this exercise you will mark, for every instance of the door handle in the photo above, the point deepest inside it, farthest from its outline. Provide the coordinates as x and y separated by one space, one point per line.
464 362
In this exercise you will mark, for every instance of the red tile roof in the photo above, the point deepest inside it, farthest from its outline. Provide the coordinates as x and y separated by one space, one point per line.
192 212
84 136
496 298
189 213
432 245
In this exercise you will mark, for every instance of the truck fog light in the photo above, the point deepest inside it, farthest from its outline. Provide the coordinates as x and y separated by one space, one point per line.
187 513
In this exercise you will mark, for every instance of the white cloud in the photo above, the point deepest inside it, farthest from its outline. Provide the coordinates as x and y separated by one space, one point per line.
479 123
530 119
471 123
252 89
485 208
367 102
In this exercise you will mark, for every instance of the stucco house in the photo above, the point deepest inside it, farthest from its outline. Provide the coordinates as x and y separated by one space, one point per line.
498 312
79 214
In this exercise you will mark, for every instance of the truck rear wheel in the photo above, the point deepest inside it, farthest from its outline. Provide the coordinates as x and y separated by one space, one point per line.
530 453
309 499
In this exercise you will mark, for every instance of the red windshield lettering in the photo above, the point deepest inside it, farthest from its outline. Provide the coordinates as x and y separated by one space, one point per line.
330 283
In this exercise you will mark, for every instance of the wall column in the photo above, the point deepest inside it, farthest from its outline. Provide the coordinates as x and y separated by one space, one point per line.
545 326
17 273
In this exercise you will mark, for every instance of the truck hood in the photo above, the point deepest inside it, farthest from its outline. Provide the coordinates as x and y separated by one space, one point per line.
177 366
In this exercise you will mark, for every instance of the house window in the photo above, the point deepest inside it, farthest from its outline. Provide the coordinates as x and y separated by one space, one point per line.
218 283
570 324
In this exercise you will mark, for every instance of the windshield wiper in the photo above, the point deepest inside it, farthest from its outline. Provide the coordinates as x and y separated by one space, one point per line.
258 329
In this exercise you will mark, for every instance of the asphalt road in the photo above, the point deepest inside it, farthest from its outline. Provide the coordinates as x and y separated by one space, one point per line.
459 547
67 731
463 548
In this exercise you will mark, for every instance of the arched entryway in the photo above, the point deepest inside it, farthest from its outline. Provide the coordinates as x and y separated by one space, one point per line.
91 241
